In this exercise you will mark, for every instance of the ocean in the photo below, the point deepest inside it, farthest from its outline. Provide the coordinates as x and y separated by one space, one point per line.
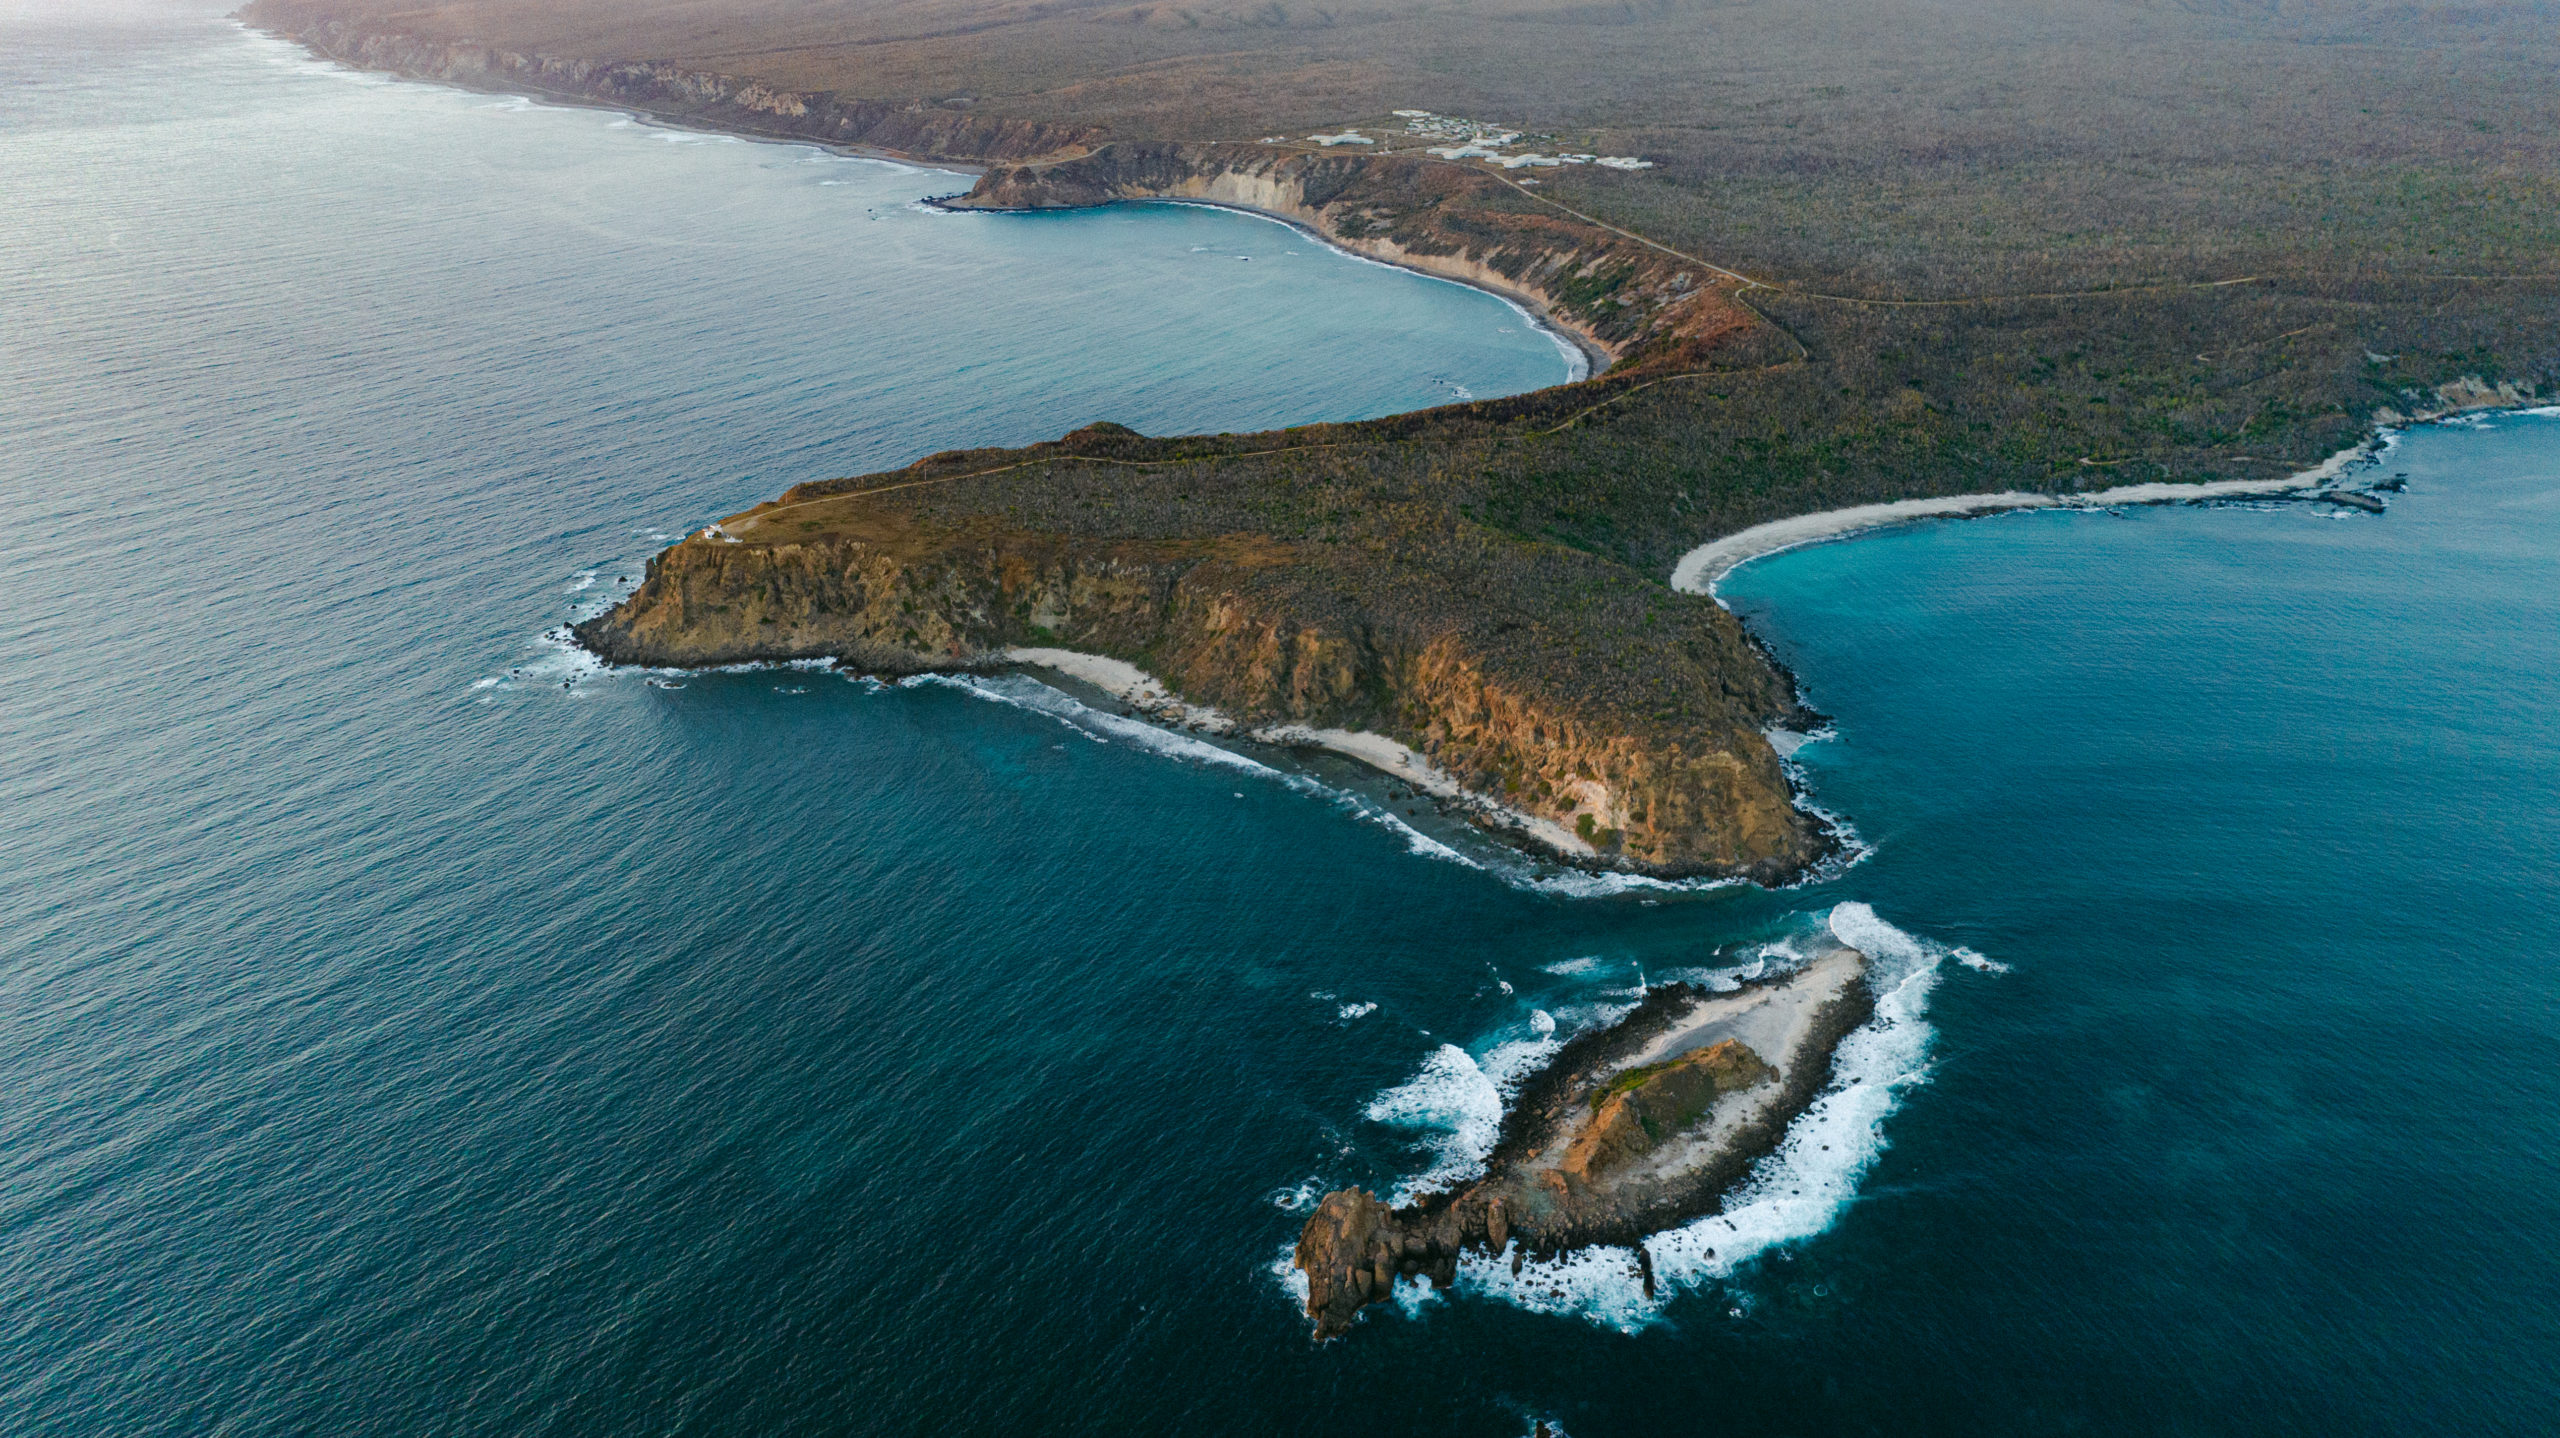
407 1028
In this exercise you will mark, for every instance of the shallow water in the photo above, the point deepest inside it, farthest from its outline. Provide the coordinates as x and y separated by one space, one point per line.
405 1030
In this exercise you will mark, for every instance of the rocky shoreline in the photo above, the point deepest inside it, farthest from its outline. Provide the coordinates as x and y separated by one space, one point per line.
1265 624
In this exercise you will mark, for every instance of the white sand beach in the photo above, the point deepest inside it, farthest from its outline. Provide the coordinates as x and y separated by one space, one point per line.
1143 691
1699 569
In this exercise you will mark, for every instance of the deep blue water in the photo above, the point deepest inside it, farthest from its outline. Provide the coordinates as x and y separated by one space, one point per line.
404 1030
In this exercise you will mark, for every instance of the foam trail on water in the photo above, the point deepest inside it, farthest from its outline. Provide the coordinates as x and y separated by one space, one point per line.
1416 842
1578 884
1024 692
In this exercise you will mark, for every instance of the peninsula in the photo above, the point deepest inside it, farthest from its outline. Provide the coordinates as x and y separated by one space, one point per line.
1928 258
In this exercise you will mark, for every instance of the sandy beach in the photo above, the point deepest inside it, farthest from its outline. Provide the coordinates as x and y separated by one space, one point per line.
1700 569
1143 691
1774 1019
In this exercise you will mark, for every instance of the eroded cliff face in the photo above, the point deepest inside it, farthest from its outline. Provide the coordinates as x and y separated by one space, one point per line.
907 127
1612 292
1237 622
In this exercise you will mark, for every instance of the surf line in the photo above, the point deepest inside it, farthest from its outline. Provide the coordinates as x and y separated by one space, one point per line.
1144 692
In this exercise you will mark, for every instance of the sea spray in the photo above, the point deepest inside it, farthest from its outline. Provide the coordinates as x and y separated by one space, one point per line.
1793 1194
1454 1104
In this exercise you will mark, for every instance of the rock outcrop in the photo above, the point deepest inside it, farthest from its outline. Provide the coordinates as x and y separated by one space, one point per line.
1640 1109
1629 1130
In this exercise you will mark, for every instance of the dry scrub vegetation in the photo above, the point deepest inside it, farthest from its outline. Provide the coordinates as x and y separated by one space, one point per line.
2033 244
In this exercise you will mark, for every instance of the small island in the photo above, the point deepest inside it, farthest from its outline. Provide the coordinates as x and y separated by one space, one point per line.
1631 1129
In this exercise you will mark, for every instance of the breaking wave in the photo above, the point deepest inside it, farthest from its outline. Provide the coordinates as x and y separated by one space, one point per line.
1794 1194
1456 1105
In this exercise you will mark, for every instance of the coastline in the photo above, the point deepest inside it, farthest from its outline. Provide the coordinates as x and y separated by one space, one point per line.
641 114
1697 572
1593 360
1150 696
1701 569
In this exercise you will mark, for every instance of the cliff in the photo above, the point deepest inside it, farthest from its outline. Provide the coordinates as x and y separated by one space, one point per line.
1540 677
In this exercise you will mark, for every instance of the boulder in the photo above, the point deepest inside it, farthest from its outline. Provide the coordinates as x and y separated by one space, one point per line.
1349 1252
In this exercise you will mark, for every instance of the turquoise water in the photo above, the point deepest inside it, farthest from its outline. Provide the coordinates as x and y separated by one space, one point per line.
404 1029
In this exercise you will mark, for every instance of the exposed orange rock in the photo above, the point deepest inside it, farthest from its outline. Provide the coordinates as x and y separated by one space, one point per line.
1642 1107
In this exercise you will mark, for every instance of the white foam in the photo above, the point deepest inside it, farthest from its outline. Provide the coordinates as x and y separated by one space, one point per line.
1456 1107
1292 1282
561 661
1582 965
1357 1011
1130 683
1023 692
1416 842
1793 1194
1512 1061
1582 884
1980 962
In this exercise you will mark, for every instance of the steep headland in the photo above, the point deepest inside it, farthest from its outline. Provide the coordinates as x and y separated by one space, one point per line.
1560 684
1628 1130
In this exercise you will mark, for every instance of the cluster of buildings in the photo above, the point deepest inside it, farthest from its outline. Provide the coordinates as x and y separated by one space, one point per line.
1475 140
